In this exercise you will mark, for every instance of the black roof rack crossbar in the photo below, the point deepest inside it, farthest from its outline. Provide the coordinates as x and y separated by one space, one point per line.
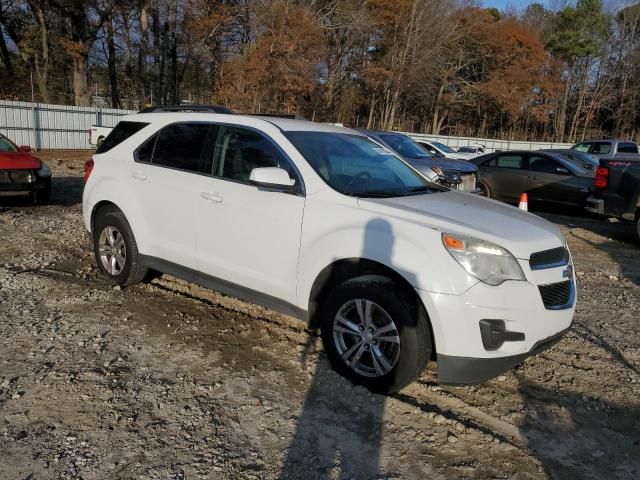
186 108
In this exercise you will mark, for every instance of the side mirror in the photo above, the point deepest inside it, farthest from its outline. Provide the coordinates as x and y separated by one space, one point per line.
563 171
24 148
272 178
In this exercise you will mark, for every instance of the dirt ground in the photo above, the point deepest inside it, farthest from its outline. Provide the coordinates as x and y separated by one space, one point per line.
171 381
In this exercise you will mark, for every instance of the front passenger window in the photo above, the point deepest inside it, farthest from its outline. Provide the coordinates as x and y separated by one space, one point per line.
239 151
543 164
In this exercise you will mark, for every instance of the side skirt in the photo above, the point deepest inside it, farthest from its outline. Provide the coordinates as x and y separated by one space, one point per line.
225 287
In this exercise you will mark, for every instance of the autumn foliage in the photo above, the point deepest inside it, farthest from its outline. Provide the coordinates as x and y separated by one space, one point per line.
437 66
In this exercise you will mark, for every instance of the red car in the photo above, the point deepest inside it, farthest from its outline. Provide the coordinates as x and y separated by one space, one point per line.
21 173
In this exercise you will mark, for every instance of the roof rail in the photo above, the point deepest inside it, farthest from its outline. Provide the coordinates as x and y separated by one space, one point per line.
186 108
278 115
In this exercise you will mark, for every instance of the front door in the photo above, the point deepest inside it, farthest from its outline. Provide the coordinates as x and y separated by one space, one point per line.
550 181
246 235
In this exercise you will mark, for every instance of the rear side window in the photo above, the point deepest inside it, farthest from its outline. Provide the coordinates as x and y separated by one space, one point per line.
184 146
627 148
507 161
600 148
119 134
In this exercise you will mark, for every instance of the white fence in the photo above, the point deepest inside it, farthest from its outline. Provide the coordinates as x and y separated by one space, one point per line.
44 126
490 145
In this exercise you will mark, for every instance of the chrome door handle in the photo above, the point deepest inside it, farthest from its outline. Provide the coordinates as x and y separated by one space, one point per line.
214 197
139 175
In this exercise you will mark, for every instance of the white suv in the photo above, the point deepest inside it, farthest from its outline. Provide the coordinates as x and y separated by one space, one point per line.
321 223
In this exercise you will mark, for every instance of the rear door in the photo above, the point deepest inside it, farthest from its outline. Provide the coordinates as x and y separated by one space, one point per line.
165 177
505 175
247 235
550 181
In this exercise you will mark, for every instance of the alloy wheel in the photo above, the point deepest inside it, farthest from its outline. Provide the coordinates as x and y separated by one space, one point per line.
112 250
366 338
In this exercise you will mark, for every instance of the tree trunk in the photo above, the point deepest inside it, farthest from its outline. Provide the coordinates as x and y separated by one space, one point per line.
113 77
80 83
6 57
156 49
142 55
563 109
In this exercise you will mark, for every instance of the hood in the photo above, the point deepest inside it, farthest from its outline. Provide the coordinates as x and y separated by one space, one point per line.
19 161
444 163
519 232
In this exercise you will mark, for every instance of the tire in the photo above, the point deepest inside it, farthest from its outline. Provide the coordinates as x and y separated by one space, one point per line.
484 189
387 301
112 231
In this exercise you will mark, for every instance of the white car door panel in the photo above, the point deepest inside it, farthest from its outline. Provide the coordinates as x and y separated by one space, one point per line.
248 235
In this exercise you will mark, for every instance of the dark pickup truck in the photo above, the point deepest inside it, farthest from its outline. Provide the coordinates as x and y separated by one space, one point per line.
617 190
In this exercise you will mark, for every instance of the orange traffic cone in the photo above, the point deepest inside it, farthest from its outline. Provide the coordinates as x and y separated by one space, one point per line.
524 202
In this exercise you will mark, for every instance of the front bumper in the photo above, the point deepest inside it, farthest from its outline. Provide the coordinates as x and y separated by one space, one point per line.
17 182
462 353
469 371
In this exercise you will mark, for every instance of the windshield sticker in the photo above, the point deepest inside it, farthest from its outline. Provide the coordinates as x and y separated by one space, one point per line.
382 151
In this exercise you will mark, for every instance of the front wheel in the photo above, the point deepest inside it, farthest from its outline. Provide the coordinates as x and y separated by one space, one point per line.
484 190
375 333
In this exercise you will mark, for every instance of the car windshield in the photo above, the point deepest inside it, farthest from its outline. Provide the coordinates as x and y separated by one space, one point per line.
466 150
443 147
7 145
405 146
356 166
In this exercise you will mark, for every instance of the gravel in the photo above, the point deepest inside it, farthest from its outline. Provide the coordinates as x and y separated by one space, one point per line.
169 380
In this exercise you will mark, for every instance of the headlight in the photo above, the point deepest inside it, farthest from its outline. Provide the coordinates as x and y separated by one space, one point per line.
487 262
44 171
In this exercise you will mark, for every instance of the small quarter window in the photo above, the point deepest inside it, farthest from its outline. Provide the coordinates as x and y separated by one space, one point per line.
119 134
145 152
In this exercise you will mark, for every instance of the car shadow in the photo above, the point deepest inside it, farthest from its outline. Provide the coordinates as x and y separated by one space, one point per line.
339 431
574 435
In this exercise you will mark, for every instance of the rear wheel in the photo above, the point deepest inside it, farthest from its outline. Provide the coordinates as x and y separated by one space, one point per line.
116 249
375 333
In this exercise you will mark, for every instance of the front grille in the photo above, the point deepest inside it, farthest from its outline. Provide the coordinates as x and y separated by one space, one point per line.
556 257
556 295
15 176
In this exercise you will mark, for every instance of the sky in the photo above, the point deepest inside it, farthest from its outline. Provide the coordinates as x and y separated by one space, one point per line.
521 5
518 4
